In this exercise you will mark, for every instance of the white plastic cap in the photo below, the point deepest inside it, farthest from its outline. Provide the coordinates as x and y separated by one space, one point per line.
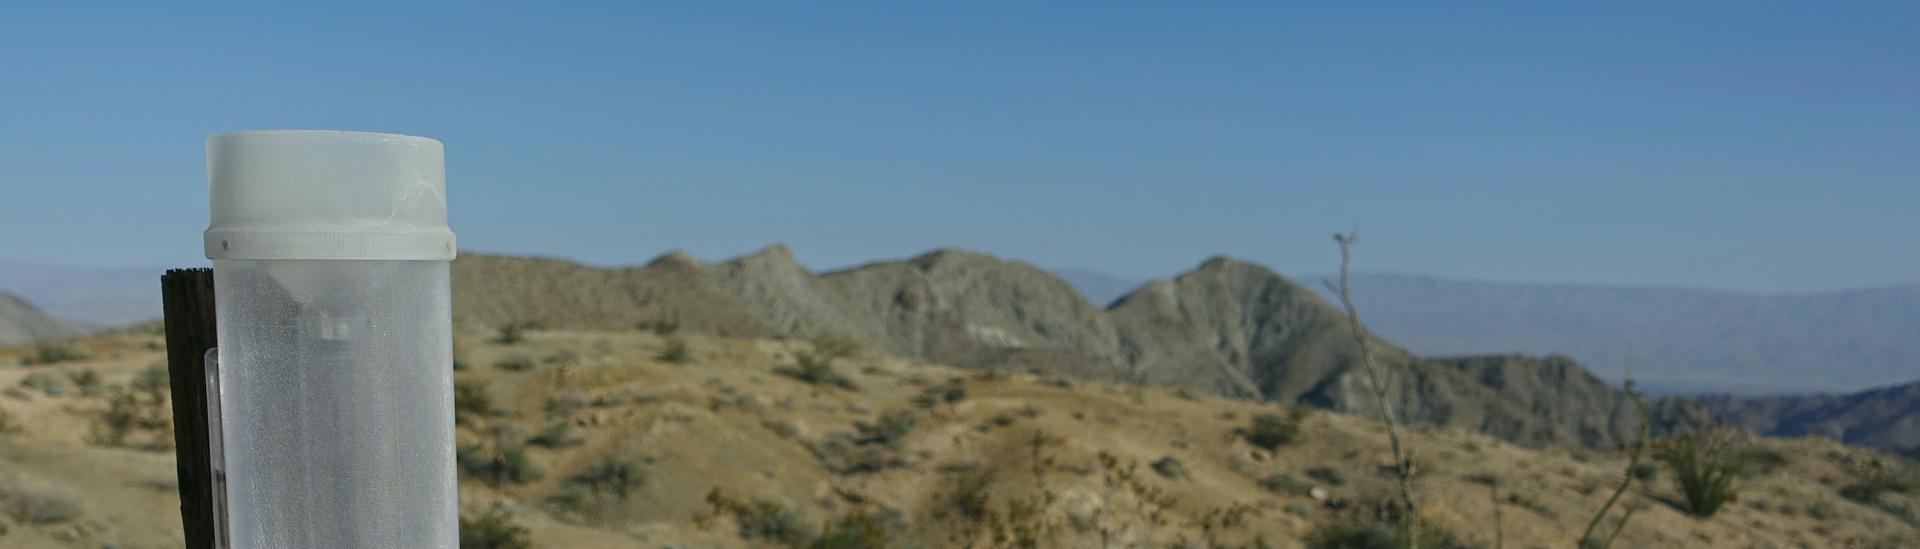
310 194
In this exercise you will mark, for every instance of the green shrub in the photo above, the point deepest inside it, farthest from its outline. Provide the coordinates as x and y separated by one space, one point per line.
499 466
153 379
7 423
763 520
492 528
470 397
1271 430
87 380
675 352
36 503
856 530
53 353
45 382
559 435
1329 475
515 363
616 476
816 369
1285 483
1372 535
1704 465
662 328
836 346
511 334
891 429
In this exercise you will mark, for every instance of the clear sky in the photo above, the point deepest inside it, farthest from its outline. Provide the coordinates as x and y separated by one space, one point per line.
1741 145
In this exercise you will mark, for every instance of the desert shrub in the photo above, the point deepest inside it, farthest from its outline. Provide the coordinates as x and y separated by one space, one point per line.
492 528
36 503
7 423
562 357
515 363
114 425
470 397
1371 535
1285 483
566 403
511 333
1704 465
662 328
616 476
971 496
45 382
461 365
559 435
675 352
1329 475
53 353
1646 472
836 346
1873 477
153 379
501 465
1271 430
816 369
845 454
597 492
1170 468
856 530
762 520
891 429
926 399
87 380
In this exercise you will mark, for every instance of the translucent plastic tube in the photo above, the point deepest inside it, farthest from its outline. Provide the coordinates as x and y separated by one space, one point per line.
330 258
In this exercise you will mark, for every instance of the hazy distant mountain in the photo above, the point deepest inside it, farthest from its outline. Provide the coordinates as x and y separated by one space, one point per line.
1692 339
22 323
1227 327
96 297
1887 418
1100 288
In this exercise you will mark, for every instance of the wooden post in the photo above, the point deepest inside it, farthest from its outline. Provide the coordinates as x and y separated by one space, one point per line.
187 295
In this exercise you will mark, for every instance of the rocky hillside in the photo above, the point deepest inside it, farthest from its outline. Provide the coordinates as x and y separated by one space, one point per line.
627 438
21 322
1887 418
1227 327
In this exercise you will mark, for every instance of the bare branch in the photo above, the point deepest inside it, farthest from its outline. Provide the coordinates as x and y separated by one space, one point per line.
1402 460
1626 480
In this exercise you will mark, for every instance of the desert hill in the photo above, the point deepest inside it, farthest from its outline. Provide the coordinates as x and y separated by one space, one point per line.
21 322
1227 327
1887 418
587 439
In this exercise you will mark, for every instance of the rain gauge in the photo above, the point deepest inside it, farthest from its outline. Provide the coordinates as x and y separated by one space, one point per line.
334 398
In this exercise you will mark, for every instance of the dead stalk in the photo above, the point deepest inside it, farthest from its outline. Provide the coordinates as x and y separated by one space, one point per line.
1403 462
1626 480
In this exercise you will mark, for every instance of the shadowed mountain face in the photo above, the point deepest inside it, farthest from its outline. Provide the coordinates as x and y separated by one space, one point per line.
1227 327
1676 339
22 323
1887 418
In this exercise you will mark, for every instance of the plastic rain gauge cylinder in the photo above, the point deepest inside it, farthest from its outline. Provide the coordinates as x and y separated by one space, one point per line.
330 254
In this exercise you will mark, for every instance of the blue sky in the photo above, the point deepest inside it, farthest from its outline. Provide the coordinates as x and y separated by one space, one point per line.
1747 145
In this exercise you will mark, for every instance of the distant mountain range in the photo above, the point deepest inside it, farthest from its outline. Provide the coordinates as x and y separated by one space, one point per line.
1887 418
94 297
1682 339
1227 327
1675 341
